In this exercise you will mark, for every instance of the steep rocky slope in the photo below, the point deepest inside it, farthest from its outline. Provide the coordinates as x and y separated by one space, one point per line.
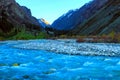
95 18
74 17
14 18
105 21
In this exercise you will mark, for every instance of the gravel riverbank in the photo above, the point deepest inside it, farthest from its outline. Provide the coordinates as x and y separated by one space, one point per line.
69 46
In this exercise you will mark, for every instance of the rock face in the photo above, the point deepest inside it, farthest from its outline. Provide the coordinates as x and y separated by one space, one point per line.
14 17
94 18
105 21
74 17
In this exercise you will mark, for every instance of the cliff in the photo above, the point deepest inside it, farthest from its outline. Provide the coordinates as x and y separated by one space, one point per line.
14 18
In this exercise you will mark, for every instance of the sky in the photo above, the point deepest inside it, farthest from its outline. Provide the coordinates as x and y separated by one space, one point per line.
50 10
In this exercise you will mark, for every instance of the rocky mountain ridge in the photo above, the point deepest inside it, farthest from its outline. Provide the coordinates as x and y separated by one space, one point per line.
14 17
44 23
95 18
105 21
71 19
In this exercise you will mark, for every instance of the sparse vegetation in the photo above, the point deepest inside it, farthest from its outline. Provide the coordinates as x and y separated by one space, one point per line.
106 38
24 35
63 36
110 38
2 38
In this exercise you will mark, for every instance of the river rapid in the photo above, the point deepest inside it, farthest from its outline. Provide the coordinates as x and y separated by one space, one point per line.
59 60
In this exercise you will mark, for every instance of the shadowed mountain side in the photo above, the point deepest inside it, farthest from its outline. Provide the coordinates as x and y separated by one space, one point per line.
14 18
106 20
71 19
95 18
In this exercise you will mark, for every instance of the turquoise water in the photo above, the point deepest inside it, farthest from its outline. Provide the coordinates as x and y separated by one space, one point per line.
28 64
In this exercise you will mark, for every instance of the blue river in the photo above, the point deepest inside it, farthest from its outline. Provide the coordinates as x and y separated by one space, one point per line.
31 64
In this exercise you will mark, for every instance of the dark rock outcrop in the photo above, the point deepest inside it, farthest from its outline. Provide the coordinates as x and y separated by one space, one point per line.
16 17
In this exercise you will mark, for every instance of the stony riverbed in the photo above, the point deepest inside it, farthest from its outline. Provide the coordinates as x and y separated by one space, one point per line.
59 60
72 48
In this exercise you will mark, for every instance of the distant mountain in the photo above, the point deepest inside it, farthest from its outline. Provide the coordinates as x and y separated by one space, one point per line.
43 23
71 19
14 18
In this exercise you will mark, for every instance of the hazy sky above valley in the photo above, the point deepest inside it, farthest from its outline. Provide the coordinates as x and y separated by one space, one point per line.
50 10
